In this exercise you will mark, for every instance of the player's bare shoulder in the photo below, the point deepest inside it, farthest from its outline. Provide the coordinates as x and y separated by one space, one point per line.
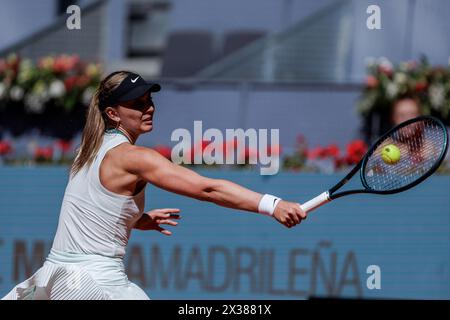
135 159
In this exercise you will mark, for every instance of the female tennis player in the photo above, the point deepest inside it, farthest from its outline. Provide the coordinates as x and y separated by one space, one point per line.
104 198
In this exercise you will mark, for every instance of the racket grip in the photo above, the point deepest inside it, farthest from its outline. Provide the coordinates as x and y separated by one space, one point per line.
316 202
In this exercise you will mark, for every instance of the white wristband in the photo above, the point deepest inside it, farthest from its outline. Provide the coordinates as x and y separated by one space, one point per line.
267 204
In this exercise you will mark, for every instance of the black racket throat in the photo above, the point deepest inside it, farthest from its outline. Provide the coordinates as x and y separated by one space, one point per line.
344 181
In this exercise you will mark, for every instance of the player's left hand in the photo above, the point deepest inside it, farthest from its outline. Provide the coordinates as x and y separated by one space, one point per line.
152 220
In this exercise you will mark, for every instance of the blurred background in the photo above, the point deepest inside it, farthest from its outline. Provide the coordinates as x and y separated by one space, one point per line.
311 68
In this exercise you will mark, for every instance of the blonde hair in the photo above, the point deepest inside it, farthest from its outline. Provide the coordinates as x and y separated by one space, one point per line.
96 122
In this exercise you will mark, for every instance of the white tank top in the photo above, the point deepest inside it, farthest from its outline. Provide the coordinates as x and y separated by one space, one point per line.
94 220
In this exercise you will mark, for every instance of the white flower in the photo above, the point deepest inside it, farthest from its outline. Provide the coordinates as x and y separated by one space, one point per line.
34 103
16 93
391 90
2 90
400 78
56 89
87 95
437 95
385 63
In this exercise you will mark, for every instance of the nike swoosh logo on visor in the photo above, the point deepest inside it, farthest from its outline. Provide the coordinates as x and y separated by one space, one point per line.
134 80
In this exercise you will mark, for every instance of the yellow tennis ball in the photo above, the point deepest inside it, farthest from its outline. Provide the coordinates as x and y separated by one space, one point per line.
390 154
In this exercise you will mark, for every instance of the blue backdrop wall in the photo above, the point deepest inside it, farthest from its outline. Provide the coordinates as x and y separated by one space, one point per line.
218 253
323 115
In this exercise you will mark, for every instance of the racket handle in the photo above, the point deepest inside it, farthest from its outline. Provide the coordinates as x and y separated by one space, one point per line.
316 202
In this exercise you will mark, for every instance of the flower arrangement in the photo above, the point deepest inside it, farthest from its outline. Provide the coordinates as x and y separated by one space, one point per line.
320 159
241 154
387 83
6 150
326 159
63 80
43 154
53 151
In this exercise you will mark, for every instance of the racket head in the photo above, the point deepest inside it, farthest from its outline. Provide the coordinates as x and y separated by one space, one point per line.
423 143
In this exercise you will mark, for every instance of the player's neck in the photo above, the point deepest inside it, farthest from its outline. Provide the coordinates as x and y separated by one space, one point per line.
123 132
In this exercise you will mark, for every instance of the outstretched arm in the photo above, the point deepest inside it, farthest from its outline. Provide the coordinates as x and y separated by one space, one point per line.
152 167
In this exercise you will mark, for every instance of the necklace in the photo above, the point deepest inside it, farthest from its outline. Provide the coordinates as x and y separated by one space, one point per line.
112 131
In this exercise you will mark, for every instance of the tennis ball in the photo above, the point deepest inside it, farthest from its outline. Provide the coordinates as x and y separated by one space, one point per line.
390 154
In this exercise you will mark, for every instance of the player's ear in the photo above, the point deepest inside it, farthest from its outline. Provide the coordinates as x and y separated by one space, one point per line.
112 114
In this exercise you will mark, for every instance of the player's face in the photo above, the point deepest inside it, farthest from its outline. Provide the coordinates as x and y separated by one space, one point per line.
137 116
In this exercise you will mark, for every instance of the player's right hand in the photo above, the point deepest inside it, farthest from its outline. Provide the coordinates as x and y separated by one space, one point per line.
152 220
289 214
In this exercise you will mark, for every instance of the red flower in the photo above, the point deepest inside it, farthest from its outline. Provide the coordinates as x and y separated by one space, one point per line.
70 83
420 86
2 65
13 63
65 63
386 70
355 151
5 148
83 81
64 145
317 152
59 66
332 150
165 151
76 81
371 82
45 153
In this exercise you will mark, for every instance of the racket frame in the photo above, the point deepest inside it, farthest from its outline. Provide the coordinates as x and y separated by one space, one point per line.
330 195
422 177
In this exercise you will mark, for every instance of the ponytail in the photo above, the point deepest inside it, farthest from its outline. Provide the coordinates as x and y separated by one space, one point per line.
96 122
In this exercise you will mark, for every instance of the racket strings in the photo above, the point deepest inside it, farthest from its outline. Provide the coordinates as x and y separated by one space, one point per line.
420 143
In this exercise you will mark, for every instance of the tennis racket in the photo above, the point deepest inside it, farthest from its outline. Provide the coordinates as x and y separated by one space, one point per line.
422 143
